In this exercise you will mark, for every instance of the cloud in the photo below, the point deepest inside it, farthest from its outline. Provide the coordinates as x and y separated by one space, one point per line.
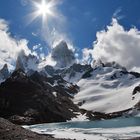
117 14
3 25
119 45
36 47
9 46
87 56
34 34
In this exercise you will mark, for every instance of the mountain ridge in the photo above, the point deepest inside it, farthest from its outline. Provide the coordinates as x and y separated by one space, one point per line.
67 93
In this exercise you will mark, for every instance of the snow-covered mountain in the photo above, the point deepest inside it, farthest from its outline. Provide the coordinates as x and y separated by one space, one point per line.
103 87
75 72
108 88
71 74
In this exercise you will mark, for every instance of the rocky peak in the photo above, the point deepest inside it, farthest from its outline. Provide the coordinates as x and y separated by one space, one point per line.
4 72
26 62
74 73
63 56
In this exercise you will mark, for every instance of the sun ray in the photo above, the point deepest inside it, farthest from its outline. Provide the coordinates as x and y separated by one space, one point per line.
45 9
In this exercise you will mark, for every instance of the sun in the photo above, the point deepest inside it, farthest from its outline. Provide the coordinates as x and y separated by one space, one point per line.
44 8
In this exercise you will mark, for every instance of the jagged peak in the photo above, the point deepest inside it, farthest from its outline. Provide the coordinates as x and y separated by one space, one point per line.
26 62
63 55
4 72
18 72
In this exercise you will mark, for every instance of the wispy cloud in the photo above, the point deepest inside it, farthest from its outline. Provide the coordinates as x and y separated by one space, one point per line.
117 14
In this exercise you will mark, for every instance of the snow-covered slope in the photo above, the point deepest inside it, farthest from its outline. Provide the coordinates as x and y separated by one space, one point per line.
107 89
71 74
74 73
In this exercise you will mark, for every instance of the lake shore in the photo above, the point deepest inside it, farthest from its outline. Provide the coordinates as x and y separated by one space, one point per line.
10 131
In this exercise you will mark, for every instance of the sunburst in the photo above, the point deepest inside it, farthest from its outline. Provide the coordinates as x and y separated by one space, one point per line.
44 8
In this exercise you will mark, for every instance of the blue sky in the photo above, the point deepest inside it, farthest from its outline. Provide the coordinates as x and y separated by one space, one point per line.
84 18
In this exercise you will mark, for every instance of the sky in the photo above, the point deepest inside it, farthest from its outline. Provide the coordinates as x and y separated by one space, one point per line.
77 21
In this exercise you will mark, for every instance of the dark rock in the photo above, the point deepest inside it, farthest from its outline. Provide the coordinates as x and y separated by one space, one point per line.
4 72
30 100
67 72
62 55
136 74
87 74
9 131
136 89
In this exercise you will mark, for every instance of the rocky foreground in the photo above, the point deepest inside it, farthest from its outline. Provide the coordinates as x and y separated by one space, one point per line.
9 131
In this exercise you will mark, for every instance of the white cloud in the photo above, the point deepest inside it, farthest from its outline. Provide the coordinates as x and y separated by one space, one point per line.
37 46
87 56
34 34
119 45
48 60
3 25
9 46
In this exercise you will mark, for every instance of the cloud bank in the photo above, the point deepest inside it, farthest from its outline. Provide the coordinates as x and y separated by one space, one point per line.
119 45
9 46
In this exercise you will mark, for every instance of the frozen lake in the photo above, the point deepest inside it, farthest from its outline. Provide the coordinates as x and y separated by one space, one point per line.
119 128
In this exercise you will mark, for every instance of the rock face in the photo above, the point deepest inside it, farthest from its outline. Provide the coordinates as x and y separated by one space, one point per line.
36 99
63 56
31 97
4 73
9 131
74 73
136 90
71 74
26 63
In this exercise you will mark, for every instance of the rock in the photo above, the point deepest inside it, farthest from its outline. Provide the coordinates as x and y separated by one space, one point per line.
62 55
136 74
4 73
30 99
136 89
9 131
75 72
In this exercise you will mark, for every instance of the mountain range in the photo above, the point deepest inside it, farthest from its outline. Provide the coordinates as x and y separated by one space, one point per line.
30 94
